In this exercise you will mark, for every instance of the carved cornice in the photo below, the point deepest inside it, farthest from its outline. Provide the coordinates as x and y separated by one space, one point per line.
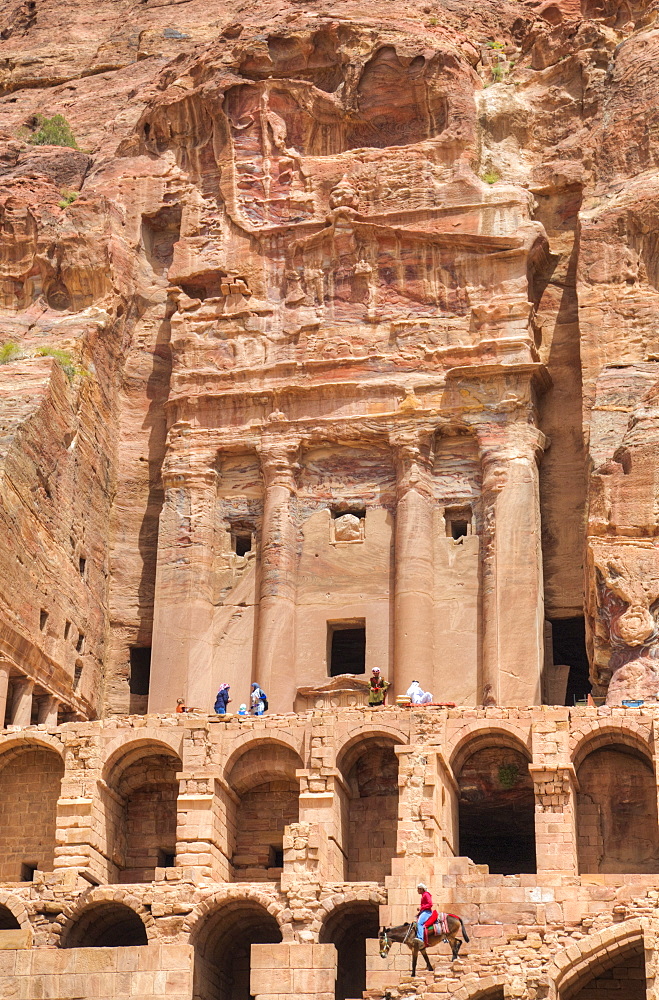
175 476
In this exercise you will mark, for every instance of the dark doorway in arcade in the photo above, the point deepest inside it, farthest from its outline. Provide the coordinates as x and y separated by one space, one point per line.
348 928
497 810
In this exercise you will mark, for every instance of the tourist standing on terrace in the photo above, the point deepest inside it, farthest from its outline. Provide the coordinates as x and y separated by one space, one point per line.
222 700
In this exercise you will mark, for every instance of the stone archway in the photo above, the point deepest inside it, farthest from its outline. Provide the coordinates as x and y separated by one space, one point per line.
619 975
30 781
617 827
348 927
105 924
142 815
223 938
8 921
263 779
497 806
370 770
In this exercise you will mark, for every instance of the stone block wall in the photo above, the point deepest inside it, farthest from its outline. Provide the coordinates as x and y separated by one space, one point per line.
401 775
305 971
263 814
372 837
150 973
627 981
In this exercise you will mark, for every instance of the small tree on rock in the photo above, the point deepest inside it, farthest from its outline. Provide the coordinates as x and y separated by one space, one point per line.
54 131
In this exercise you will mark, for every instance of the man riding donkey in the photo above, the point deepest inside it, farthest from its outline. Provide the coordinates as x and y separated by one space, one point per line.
429 929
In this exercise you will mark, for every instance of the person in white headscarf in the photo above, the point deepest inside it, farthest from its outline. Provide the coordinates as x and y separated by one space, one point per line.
417 695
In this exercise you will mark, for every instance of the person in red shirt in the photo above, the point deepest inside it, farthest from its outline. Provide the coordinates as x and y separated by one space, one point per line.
425 909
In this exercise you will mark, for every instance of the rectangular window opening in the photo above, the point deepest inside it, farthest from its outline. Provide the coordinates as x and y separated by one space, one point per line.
77 674
67 629
458 522
140 669
569 649
82 564
347 647
276 857
166 859
43 618
359 512
242 542
27 871
80 644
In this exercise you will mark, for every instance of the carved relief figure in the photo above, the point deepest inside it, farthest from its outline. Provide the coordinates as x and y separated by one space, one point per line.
627 583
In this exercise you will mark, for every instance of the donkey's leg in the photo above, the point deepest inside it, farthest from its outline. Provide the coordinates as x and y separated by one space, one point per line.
415 955
456 944
428 965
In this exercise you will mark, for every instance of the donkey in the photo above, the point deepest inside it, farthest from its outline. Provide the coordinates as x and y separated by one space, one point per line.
406 934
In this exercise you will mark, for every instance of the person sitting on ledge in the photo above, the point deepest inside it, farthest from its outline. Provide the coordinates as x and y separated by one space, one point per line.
222 700
180 705
417 695
377 689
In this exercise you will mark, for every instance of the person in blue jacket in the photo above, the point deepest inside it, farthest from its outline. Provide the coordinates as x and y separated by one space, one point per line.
222 700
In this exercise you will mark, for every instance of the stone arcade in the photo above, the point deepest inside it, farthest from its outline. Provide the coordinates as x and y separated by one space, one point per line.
260 857
333 346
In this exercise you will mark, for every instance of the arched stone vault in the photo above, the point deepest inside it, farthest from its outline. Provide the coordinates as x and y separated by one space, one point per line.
98 897
592 951
16 907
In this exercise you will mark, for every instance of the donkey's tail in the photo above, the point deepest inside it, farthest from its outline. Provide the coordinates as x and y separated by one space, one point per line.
464 929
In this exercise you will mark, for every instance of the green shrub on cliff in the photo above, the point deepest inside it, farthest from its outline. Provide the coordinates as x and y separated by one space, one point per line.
68 197
54 131
63 359
9 351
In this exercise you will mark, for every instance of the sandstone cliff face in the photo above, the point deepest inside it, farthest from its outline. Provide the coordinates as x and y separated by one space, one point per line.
392 243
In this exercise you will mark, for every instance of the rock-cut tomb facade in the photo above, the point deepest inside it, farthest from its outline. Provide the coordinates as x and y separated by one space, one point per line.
331 345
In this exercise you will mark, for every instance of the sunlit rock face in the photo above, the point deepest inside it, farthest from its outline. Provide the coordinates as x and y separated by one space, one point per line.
355 319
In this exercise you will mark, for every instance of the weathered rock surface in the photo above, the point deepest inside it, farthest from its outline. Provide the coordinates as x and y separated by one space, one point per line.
358 304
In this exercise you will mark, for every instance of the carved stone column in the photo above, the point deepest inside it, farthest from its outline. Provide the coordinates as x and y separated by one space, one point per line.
275 640
512 582
4 689
413 564
48 710
21 711
181 659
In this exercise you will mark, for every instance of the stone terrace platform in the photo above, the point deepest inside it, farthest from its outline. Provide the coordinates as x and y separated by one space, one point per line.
274 848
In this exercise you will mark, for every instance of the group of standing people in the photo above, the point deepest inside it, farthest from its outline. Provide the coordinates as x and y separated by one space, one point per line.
377 696
258 701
